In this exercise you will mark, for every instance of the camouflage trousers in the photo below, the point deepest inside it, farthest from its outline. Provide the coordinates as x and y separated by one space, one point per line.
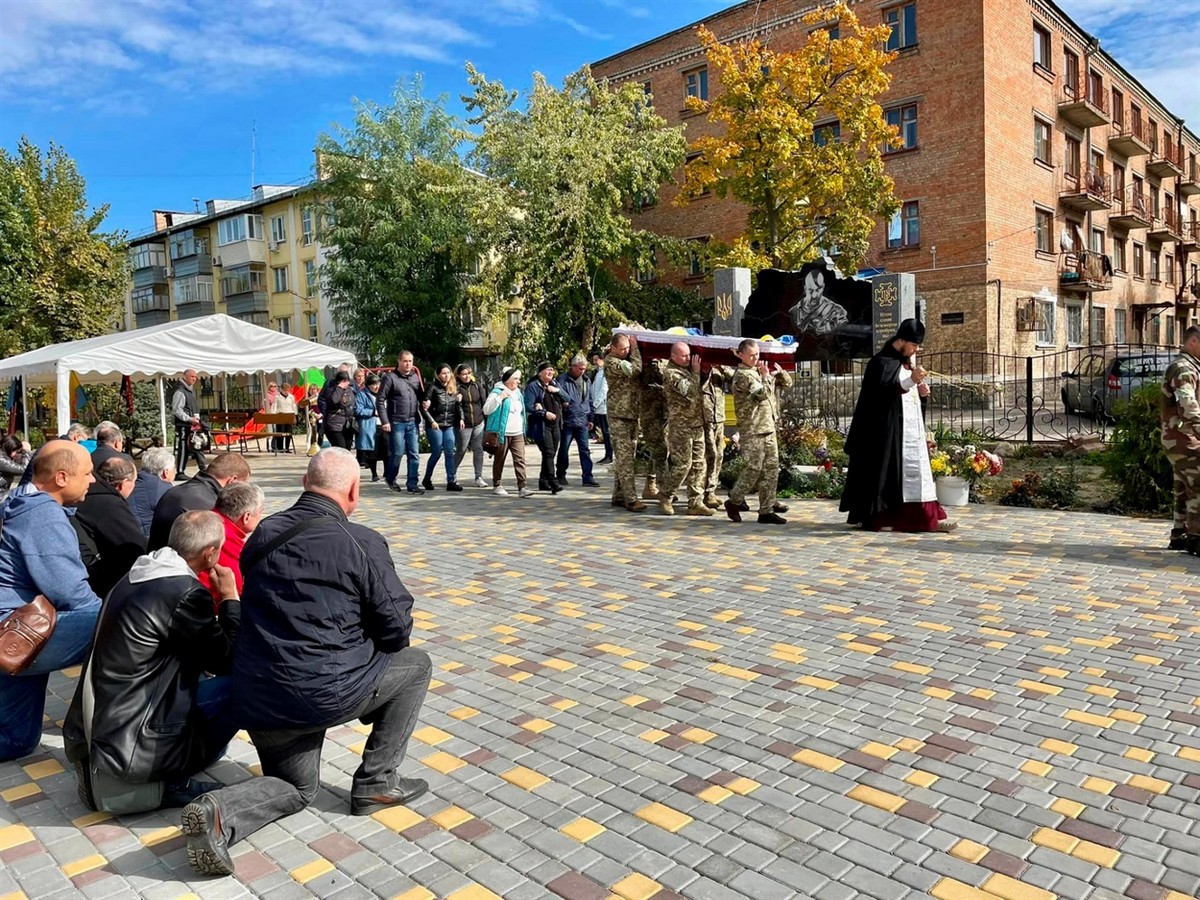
655 440
624 441
685 447
761 470
714 455
1187 493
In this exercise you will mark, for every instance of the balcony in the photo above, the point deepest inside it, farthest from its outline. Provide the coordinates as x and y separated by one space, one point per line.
1083 108
1085 272
149 276
1129 138
1164 162
1088 191
1191 235
194 309
1165 226
191 254
1130 211
247 303
1188 184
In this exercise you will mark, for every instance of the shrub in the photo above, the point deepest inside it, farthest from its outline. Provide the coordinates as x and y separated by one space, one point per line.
1135 459
1058 489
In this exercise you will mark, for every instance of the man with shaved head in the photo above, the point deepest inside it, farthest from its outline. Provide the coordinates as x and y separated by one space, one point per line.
39 555
324 640
683 385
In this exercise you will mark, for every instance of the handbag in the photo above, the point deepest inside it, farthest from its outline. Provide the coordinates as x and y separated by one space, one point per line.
491 441
24 633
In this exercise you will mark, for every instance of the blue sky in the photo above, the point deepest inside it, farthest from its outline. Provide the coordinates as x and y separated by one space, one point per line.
157 99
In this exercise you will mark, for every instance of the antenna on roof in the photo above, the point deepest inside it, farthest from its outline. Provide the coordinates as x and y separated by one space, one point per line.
196 204
253 150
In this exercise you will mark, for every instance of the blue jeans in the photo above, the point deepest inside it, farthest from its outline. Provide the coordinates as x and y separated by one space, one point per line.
578 434
441 443
23 697
402 441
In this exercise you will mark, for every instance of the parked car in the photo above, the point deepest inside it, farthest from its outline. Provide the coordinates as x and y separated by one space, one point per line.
1102 379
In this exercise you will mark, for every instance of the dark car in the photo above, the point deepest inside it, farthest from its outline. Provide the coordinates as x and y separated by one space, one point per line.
1101 379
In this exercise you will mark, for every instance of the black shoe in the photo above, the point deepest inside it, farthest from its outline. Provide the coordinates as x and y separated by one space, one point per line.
744 506
453 486
415 490
1193 544
406 789
544 486
392 486
83 785
374 478
771 519
555 488
591 482
562 480
607 461
428 485
733 511
181 477
207 851
184 792
1178 541
779 508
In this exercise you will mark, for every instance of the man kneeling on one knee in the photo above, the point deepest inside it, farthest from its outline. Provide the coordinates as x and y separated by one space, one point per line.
144 718
323 641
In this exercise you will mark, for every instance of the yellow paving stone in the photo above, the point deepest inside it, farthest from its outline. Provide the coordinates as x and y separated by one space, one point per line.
564 704
822 684
537 726
909 745
817 760
714 794
415 893
1096 854
875 797
1033 767
1086 718
1178 895
1055 648
921 779
1146 783
43 769
869 649
583 830
1147 659
733 672
560 664
705 645
159 835
86 864
1128 715
504 629
697 735
473 892
526 617
939 693
507 659
1140 754
868 620
1098 785
634 665
663 816
788 657
727 615
1011 889
524 778
451 817
883 751
654 735
636 887
969 851
20 792
357 748
934 626
1100 690
691 626
463 713
92 818
1053 672
614 649
949 889
982 693
1068 808
1056 746
1054 840
15 895
635 700
443 762
1039 687
1191 754
431 736
520 676
743 786
398 818
14 836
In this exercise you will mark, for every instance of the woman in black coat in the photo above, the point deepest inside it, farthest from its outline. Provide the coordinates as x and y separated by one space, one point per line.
445 417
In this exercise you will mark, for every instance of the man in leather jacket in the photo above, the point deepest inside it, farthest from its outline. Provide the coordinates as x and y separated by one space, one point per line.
153 716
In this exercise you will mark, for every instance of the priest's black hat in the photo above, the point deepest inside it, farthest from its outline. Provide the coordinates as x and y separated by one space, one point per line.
911 330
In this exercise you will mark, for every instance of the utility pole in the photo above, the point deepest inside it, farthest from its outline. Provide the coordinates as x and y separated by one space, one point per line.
253 150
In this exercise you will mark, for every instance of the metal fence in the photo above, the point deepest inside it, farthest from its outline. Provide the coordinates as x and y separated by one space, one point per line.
1053 396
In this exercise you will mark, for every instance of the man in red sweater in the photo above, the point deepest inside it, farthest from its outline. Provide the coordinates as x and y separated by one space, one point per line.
240 506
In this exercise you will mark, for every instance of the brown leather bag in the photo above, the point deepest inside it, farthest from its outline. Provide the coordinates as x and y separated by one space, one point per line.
23 634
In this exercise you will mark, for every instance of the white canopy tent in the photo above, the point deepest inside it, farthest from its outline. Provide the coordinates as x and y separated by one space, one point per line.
212 345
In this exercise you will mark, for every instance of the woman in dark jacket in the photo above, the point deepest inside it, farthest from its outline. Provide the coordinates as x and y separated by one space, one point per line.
445 415
471 397
339 412
544 406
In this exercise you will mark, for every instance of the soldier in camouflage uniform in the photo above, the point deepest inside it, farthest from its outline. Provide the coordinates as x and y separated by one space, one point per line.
682 385
1181 440
622 368
714 430
653 415
757 409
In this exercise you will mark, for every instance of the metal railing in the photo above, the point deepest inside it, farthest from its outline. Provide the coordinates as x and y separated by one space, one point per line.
1084 268
1091 180
1073 92
1132 202
1133 128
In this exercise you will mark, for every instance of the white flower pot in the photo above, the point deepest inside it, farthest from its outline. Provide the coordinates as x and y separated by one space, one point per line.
953 491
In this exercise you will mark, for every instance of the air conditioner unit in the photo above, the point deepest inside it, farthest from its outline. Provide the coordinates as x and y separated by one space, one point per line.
216 261
273 245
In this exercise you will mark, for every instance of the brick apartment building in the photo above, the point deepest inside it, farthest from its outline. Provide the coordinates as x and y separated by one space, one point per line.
1048 199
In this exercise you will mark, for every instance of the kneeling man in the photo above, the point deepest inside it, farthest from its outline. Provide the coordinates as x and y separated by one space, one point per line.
323 641
144 719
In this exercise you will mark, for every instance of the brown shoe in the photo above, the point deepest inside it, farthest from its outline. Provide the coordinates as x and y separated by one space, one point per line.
665 504
771 519
635 506
779 508
711 501
733 511
651 491
698 509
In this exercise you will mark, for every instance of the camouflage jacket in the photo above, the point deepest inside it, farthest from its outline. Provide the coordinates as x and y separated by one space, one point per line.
1180 410
754 400
685 402
652 408
714 394
623 384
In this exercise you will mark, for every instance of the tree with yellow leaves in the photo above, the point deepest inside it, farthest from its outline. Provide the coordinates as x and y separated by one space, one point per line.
803 141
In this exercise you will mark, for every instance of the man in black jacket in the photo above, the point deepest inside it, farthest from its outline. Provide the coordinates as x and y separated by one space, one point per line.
199 493
401 408
110 536
142 715
324 640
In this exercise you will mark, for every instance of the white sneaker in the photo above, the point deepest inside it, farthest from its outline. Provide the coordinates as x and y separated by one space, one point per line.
525 492
499 491
479 482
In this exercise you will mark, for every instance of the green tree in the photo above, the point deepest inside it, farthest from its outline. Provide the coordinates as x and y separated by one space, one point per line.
806 186
565 172
393 190
60 278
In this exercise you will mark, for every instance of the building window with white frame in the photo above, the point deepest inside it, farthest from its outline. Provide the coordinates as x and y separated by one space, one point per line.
904 229
306 226
1170 266
697 257
903 22
1119 326
310 278
1097 244
1045 322
1041 48
695 83
904 120
1044 229
1042 146
239 228
281 279
1155 265
1118 254
1170 330
1139 260
285 324
278 229
313 332
1098 330
1074 325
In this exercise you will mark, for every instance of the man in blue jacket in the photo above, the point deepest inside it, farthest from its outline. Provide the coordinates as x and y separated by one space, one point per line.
401 412
577 420
39 554
324 640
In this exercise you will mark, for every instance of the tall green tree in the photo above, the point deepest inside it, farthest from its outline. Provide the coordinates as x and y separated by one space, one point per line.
393 190
567 166
60 277
807 184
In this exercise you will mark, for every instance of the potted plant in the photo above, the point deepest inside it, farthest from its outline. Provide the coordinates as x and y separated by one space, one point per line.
958 470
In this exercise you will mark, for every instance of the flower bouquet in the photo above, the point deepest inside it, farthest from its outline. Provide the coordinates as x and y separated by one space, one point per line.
959 469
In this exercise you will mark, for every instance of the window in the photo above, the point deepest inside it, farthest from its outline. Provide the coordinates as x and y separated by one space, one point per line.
1070 73
1152 330
312 325
1045 331
1044 223
239 228
1098 330
194 289
306 226
1155 203
281 279
1118 254
187 243
904 118
903 22
278 229
1139 260
1170 330
1118 109
1074 326
1041 48
1118 182
1097 242
904 230
695 83
148 298
648 274
1152 136
697 257
829 133
1119 326
285 324
1155 265
1170 279
514 320
242 280
310 278
1095 88
1041 141
147 256
1071 158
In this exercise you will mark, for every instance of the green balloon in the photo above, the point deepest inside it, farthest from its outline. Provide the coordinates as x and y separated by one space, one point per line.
314 376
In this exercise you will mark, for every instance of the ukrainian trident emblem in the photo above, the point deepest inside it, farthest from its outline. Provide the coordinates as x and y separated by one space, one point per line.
724 305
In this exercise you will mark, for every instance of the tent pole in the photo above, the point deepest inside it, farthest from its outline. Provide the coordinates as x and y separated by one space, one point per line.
225 393
25 407
162 411
63 398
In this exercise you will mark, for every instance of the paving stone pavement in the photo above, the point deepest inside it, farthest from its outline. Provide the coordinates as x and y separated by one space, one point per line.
648 707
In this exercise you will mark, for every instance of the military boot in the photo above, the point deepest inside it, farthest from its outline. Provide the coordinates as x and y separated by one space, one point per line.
651 491
1193 544
697 508
1178 540
711 501
635 506
666 505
